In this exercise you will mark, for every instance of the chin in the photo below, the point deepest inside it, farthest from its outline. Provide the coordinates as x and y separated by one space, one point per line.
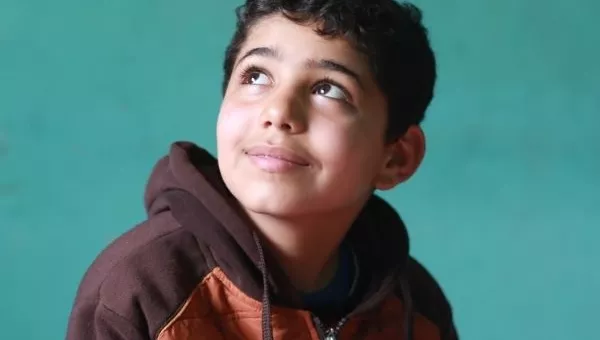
275 203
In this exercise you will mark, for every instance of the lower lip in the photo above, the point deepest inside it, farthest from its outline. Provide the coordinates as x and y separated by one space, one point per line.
274 165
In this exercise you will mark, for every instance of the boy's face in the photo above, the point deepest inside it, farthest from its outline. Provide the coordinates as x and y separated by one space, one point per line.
301 127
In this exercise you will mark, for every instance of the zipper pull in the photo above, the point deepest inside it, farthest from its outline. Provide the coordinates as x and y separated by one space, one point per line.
330 334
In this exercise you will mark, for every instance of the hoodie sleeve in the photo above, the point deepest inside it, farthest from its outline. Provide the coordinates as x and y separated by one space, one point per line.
95 321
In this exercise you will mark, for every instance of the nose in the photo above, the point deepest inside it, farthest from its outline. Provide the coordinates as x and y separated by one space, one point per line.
284 111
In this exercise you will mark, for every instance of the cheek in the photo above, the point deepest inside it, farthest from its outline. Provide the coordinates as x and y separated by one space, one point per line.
348 150
232 124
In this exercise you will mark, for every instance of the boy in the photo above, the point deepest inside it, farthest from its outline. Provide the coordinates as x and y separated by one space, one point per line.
282 237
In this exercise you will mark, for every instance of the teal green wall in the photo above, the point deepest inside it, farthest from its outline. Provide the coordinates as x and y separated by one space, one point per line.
505 211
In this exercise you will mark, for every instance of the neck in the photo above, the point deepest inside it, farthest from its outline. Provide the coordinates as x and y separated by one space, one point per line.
305 247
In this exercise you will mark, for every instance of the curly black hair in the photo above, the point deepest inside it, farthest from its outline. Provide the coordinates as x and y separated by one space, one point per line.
390 34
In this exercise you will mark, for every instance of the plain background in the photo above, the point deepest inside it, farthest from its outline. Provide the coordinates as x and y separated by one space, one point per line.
505 210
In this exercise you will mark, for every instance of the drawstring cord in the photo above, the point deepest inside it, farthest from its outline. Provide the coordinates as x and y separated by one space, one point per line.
408 309
267 328
176 202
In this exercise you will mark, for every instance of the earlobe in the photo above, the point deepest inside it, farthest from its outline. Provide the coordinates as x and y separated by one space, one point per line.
404 156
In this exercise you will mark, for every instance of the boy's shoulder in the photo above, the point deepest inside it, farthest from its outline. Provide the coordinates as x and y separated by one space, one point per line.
145 273
429 299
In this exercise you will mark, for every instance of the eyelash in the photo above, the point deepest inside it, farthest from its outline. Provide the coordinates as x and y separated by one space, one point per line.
250 69
329 81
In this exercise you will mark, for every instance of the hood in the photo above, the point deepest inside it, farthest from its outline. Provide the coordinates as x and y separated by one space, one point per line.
188 180
192 174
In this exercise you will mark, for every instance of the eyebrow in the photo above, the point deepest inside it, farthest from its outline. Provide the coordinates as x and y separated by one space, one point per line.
261 51
331 65
325 64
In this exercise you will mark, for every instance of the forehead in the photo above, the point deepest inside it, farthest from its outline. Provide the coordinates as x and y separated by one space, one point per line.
297 42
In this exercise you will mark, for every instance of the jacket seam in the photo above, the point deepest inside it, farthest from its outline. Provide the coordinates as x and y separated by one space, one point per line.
173 317
129 322
100 299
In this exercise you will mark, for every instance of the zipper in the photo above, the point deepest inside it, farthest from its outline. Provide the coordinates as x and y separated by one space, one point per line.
329 333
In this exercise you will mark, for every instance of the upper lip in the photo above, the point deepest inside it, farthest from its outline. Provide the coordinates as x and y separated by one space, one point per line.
278 152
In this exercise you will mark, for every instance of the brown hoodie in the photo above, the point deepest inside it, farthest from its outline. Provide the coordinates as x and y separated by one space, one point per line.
196 270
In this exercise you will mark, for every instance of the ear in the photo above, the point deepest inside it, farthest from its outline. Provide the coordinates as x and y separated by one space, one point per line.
402 159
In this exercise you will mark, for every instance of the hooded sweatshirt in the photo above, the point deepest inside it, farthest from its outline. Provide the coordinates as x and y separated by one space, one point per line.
195 269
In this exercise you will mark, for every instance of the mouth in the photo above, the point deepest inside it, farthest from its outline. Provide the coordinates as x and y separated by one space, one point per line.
276 158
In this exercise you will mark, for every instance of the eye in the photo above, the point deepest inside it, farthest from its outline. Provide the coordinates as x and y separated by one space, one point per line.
255 77
330 91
